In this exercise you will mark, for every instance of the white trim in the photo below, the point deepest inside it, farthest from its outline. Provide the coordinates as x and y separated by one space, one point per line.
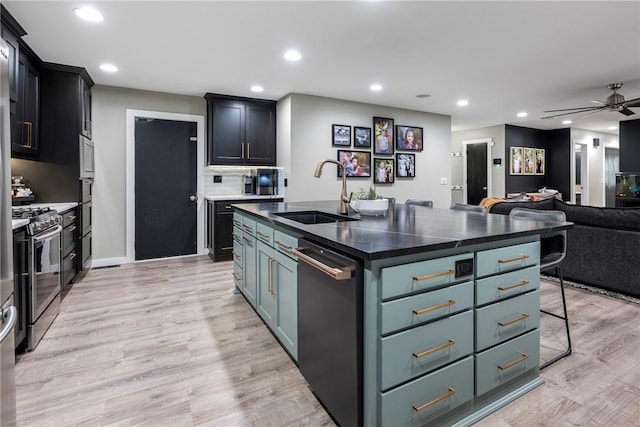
489 142
108 262
130 177
584 171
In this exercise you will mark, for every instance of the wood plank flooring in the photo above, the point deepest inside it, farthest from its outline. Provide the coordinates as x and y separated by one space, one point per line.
167 343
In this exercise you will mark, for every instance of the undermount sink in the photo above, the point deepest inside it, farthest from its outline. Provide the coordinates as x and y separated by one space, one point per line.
314 217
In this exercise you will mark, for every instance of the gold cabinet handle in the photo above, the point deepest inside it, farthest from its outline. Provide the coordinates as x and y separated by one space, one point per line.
242 150
433 276
72 228
435 307
506 288
517 319
235 236
515 362
447 395
237 255
71 218
235 276
520 258
236 222
264 236
272 291
283 246
27 134
448 344
249 242
248 155
246 227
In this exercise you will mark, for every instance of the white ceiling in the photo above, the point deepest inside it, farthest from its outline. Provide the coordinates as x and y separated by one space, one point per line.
504 57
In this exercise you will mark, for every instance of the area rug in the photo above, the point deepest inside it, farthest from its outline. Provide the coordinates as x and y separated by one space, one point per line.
593 289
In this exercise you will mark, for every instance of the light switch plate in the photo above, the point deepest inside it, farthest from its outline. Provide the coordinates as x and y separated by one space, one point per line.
443 181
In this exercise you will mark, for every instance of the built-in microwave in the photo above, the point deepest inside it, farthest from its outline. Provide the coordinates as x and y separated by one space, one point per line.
86 158
266 182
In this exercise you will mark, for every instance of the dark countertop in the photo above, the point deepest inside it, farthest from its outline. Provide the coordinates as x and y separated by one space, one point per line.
406 230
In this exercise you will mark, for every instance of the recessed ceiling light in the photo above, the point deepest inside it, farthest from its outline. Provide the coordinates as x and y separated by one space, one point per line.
88 14
376 87
612 127
256 88
522 114
423 95
566 122
292 55
462 103
110 68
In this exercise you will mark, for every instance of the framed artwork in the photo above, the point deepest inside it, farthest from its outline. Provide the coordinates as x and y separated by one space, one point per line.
515 160
341 135
383 170
539 161
361 137
383 135
405 165
529 161
357 163
408 138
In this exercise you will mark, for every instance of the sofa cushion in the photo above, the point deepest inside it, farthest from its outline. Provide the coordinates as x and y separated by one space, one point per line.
616 218
505 208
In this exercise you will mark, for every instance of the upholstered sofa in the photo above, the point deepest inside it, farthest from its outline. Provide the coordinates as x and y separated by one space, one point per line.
603 246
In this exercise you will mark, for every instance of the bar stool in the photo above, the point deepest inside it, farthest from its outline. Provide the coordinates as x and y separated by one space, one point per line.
426 203
470 208
553 249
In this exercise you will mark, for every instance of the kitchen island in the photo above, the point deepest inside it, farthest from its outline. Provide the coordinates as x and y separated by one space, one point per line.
443 321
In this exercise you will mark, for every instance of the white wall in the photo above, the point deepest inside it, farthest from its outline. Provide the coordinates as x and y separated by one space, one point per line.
109 105
497 152
309 141
595 156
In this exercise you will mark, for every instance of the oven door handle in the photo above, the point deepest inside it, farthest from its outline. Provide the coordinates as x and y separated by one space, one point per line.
40 237
11 316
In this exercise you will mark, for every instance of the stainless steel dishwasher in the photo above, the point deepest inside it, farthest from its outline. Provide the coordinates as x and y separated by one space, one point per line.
330 294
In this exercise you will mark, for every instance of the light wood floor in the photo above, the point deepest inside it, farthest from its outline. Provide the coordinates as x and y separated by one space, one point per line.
167 343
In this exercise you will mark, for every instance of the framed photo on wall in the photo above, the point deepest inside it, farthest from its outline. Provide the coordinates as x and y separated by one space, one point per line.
383 170
356 163
529 160
540 161
341 135
515 160
405 165
361 137
408 138
383 135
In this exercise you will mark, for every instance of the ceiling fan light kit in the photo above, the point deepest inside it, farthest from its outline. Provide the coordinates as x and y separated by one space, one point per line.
614 102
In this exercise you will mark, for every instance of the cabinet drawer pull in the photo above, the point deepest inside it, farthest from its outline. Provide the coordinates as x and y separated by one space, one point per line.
435 307
235 236
246 227
242 150
520 258
272 291
434 275
25 274
237 277
264 236
506 288
447 395
72 255
71 218
515 362
435 349
248 241
72 228
517 319
283 246
248 155
228 207
237 255
236 222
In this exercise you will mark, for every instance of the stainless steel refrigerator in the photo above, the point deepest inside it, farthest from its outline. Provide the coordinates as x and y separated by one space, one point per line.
8 310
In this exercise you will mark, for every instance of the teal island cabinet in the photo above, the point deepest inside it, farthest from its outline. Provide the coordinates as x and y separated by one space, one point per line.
449 311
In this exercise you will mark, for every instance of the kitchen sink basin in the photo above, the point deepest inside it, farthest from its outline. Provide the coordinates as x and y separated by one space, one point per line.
314 217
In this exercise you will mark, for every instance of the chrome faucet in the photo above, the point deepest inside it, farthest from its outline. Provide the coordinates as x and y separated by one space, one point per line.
344 199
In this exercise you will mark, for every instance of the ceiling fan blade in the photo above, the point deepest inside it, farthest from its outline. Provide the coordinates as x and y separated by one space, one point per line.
632 103
592 110
626 111
571 109
587 115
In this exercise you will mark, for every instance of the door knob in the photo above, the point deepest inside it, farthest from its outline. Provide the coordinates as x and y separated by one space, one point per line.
193 198
484 188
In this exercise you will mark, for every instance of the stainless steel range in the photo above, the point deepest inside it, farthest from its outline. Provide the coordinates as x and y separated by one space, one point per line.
43 297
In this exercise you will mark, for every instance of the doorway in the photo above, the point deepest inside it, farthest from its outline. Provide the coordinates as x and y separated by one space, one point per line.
611 167
580 173
476 170
165 208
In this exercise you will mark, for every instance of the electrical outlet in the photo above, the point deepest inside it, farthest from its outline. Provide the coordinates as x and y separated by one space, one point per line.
217 178
443 181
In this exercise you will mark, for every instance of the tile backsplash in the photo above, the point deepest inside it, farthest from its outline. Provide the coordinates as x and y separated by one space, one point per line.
232 180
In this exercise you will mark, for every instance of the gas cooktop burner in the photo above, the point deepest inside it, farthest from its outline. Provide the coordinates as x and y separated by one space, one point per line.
40 219
26 213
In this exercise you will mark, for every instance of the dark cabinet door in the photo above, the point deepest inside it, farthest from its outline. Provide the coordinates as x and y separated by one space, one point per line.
260 134
14 52
25 114
222 231
227 132
85 109
21 283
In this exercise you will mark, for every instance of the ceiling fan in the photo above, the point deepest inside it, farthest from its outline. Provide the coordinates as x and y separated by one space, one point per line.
614 102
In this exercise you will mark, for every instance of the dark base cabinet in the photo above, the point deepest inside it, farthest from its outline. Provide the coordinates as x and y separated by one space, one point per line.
21 284
220 227
69 252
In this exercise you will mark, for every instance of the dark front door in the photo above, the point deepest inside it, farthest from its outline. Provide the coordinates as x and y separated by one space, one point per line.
476 173
165 188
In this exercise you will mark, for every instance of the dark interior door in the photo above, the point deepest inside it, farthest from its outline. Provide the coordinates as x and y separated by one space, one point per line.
165 188
476 173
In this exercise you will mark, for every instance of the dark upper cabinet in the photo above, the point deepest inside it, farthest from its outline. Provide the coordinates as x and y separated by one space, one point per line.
25 113
241 131
11 39
85 109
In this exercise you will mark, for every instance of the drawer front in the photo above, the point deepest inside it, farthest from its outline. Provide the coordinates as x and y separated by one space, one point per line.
505 285
503 320
68 269
249 226
284 242
264 233
69 218
416 309
237 234
237 220
421 400
68 240
237 275
509 258
237 252
419 276
507 361
419 350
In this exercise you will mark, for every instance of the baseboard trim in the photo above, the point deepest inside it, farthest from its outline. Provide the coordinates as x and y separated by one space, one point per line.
108 262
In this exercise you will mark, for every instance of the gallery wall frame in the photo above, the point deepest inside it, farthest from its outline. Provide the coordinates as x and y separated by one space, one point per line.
383 170
356 163
409 138
516 157
383 136
361 137
341 135
405 165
